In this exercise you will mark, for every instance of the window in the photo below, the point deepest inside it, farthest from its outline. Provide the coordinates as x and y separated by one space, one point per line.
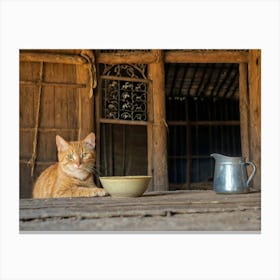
123 119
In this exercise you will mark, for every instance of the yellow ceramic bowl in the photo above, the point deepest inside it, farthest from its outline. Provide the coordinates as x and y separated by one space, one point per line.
125 186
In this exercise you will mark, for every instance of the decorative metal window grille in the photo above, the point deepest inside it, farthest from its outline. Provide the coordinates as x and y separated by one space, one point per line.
124 91
124 70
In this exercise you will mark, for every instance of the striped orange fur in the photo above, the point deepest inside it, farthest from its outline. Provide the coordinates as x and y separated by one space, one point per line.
72 176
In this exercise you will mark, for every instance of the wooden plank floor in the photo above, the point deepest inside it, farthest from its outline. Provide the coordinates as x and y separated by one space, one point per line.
179 211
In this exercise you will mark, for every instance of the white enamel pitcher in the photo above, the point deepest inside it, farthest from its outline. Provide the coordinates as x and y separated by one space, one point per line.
230 174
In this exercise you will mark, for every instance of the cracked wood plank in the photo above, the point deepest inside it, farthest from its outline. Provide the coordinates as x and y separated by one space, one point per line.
227 212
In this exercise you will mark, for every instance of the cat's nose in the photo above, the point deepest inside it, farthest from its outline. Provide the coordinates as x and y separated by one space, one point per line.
77 164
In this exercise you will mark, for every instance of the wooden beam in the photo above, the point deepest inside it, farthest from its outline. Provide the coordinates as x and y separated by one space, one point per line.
156 74
215 56
117 121
126 79
25 161
254 70
141 57
204 123
47 130
244 109
51 84
51 58
127 57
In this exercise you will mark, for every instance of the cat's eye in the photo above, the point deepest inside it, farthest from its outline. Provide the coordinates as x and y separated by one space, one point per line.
70 156
83 155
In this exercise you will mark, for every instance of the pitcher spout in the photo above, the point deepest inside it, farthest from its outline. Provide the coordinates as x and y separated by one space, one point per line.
223 158
217 156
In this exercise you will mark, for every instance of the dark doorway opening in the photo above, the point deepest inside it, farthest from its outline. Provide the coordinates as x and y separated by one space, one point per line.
202 111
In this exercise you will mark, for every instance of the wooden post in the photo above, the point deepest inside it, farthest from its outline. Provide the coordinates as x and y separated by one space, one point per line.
254 70
85 108
244 109
159 137
150 111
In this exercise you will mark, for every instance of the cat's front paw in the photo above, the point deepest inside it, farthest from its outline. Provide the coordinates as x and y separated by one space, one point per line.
101 192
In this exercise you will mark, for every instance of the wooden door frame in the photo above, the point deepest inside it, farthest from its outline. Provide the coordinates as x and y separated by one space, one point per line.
249 90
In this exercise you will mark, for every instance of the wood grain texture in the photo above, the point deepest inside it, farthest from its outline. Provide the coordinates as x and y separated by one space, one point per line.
244 109
254 71
159 129
51 58
126 57
214 56
85 105
154 211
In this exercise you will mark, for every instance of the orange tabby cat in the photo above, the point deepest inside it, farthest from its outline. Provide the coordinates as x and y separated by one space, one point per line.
72 175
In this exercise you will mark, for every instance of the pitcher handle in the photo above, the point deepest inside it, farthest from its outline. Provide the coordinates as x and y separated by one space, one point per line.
253 172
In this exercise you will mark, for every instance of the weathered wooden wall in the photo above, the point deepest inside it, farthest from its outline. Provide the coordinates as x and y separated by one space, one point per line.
54 99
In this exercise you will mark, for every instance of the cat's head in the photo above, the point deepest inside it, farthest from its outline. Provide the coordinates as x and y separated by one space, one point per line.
77 158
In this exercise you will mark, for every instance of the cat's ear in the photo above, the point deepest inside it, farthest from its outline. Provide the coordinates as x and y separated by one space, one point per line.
90 140
61 144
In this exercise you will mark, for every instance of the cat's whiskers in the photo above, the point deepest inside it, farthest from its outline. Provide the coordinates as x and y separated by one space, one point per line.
100 170
92 169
